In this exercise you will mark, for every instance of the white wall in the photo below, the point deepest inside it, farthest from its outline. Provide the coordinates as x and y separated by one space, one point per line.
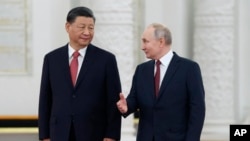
177 16
19 93
243 65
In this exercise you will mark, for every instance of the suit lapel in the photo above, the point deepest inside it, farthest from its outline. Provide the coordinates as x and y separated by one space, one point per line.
150 73
88 60
65 65
169 73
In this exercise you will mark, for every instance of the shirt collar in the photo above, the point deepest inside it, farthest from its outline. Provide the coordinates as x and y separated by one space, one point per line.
81 51
165 60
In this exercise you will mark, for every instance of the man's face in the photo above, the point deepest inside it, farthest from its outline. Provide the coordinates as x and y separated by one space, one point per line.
81 31
150 45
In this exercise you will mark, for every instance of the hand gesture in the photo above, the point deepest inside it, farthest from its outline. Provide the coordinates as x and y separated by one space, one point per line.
122 104
108 139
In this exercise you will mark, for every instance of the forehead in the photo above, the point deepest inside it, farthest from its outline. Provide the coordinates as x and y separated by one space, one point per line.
148 33
84 20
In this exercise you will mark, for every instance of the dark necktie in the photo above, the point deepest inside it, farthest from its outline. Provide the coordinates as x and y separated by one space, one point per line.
157 77
74 67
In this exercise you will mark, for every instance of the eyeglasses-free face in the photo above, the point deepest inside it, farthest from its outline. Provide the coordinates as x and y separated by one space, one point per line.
81 31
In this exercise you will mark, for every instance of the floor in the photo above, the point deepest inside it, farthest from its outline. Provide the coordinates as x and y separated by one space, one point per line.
33 137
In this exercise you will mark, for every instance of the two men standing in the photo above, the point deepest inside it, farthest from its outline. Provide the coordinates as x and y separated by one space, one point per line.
80 86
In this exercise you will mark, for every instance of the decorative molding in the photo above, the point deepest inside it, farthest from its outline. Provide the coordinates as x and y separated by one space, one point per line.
14 37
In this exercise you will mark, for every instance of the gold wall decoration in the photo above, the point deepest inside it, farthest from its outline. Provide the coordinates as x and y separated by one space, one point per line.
14 37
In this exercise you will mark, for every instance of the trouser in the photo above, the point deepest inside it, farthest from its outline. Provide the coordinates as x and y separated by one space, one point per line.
72 136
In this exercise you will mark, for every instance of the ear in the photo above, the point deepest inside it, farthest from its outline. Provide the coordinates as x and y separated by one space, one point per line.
162 42
67 26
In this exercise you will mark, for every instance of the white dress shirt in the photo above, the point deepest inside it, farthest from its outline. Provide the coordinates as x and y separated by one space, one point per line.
82 53
165 61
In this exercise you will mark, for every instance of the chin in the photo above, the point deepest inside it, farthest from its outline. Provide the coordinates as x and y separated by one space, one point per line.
148 56
84 44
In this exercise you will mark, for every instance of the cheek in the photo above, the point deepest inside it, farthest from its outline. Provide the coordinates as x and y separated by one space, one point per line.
153 51
147 46
150 48
74 35
92 33
72 32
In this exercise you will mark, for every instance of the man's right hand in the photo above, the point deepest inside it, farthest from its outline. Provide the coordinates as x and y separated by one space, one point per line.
122 104
46 140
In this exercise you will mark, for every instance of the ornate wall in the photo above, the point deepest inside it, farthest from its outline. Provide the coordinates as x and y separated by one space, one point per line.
215 33
214 49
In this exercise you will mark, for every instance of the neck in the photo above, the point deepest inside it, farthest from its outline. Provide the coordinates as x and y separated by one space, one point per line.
77 47
162 53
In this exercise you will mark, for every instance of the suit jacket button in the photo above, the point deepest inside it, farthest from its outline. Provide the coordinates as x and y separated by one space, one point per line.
74 96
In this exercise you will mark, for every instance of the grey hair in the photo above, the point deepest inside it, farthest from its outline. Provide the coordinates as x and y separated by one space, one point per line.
162 32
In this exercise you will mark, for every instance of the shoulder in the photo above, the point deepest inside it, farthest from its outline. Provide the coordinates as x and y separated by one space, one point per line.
183 60
185 64
57 51
99 51
146 65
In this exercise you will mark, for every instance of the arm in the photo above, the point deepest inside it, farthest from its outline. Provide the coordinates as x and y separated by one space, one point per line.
126 108
131 98
196 103
113 130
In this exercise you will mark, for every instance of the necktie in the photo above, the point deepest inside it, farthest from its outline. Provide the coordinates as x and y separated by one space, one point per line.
157 77
74 67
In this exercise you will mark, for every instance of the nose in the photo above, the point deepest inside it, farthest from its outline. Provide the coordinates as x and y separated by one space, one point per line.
142 47
85 31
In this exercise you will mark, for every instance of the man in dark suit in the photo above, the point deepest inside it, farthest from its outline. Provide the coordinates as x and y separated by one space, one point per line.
80 105
169 96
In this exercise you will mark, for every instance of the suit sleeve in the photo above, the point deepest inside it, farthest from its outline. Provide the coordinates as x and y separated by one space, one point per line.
113 87
196 103
44 102
131 99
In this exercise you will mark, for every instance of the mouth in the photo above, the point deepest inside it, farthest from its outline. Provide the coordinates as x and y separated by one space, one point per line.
84 39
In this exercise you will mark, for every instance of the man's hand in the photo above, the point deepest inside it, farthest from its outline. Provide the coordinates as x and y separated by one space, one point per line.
122 104
108 139
46 140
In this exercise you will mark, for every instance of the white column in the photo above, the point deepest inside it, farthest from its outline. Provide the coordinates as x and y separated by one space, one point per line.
214 49
243 64
177 16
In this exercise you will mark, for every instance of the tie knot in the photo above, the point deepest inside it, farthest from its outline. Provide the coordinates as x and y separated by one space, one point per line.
158 62
76 54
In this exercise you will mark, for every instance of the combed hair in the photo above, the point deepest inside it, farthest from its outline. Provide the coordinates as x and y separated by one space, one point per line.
79 11
162 32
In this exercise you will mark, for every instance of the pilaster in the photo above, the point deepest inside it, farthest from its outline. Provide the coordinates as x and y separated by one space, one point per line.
214 49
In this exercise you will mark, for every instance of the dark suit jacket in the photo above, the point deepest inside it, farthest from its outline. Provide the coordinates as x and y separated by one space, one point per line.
178 112
90 105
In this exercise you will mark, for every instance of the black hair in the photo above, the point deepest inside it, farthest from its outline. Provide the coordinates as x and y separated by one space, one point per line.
79 11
